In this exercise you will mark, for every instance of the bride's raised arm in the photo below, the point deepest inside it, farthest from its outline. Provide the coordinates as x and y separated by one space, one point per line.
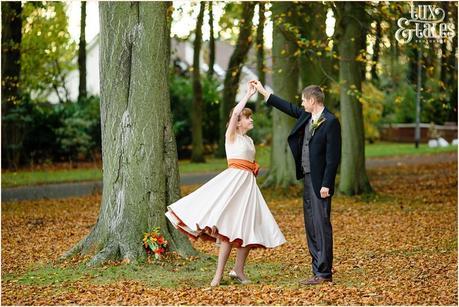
232 124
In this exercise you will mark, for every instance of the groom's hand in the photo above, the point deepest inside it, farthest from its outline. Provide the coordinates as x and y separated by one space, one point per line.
260 88
324 192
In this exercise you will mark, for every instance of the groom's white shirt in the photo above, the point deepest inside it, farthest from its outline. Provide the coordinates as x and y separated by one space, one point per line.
267 96
316 116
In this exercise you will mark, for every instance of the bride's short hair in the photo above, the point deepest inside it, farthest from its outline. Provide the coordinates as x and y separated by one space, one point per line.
247 112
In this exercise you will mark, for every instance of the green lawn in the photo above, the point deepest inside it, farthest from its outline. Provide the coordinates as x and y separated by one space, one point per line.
20 178
384 149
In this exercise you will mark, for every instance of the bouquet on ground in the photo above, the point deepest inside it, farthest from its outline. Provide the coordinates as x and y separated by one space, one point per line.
155 243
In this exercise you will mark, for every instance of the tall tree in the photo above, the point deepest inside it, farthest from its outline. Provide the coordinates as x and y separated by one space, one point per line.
197 153
285 83
351 17
12 135
210 72
11 51
139 154
260 44
315 67
233 73
82 53
448 72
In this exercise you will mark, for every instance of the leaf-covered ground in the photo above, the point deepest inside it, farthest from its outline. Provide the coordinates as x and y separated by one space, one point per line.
399 247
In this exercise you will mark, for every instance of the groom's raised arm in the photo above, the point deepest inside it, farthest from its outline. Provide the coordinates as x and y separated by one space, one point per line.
284 106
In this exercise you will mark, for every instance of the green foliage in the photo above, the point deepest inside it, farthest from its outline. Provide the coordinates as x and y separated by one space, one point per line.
60 132
400 105
434 102
47 50
372 106
262 131
229 21
16 121
73 138
181 103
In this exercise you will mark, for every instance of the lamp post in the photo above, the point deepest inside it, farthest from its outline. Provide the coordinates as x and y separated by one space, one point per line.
417 132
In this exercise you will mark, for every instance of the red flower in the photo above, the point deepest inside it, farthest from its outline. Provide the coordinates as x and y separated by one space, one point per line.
160 240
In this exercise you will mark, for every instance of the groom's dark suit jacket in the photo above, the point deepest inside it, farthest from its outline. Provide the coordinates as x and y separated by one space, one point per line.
324 145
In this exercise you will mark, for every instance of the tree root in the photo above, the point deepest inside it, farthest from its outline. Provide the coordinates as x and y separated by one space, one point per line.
110 252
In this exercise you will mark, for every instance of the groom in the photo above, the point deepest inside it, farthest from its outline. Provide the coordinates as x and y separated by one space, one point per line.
315 142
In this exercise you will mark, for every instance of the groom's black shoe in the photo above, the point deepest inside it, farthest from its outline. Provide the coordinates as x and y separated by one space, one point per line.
316 280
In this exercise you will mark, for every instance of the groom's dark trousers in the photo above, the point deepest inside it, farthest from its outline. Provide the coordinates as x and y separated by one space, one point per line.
318 167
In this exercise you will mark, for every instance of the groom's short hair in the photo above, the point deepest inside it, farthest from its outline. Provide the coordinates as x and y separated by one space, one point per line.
315 92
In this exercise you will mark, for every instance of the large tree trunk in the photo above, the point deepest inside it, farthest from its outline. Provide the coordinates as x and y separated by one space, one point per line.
140 169
285 82
311 21
12 128
259 43
233 72
210 72
353 175
197 153
82 53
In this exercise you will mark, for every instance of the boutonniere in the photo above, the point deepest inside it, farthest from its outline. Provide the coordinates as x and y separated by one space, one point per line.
313 127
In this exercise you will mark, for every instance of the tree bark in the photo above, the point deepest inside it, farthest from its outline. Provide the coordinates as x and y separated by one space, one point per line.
210 72
376 48
353 175
12 130
285 83
197 152
311 22
260 49
233 72
139 155
82 53
448 66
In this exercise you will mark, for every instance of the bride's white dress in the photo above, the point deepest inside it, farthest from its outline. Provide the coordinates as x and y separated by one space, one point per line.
232 203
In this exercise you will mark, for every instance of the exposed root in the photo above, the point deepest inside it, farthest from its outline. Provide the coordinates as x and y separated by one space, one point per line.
110 252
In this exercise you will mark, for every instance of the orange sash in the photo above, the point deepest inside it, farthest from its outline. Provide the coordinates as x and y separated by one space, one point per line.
245 165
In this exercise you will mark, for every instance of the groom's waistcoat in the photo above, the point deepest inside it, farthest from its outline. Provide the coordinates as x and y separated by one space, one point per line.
324 146
305 161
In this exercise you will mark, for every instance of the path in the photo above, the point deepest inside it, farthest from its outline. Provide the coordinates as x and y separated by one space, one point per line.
75 189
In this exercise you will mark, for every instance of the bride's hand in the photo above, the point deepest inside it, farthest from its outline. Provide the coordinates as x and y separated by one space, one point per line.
251 89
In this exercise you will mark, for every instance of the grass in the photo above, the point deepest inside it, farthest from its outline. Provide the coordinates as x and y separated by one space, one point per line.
22 178
384 149
168 274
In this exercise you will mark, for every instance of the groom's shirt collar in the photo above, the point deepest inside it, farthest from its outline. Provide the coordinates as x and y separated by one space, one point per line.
316 116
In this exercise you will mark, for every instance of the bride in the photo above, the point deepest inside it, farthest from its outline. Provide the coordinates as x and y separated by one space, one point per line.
230 208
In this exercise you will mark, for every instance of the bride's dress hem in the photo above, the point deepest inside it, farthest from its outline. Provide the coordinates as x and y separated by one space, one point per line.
204 233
